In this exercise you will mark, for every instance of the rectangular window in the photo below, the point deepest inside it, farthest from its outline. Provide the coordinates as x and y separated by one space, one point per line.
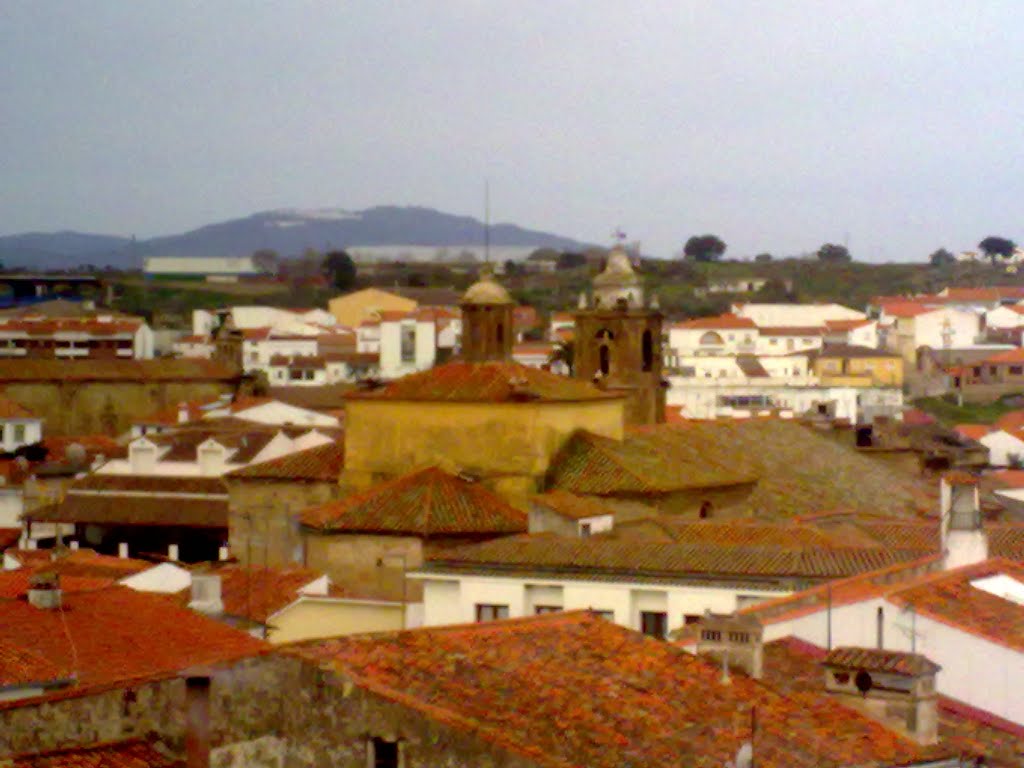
489 612
384 754
691 618
539 609
654 623
585 530
1016 370
408 344
711 635
19 433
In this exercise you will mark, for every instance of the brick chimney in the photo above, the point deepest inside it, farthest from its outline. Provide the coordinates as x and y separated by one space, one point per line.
735 642
962 533
197 721
206 594
895 687
44 591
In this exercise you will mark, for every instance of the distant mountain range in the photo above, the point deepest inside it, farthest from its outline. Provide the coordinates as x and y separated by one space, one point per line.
289 232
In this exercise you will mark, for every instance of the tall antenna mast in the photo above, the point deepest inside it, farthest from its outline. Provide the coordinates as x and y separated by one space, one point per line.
487 221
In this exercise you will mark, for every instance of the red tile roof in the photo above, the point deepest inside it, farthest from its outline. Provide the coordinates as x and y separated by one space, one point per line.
950 598
134 753
720 322
847 325
160 369
571 689
1007 357
80 563
628 559
916 417
793 330
906 309
1011 420
1009 478
492 382
427 502
320 464
257 593
9 538
571 506
973 431
880 660
114 635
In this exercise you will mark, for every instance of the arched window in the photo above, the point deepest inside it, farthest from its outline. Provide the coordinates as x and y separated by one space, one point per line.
711 338
604 359
647 350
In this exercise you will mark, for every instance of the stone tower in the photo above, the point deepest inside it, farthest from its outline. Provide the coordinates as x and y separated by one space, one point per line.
487 330
618 341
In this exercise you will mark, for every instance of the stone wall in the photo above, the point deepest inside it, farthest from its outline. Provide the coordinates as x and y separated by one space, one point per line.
261 515
246 704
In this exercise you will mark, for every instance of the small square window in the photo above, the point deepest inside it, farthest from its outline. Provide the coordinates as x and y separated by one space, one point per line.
585 530
489 612
654 623
539 609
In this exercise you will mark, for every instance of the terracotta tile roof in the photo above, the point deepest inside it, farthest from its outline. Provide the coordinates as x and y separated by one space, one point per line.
950 598
492 382
517 685
973 431
141 500
49 327
163 484
118 635
1009 478
878 660
740 533
724 322
22 667
628 559
571 506
159 369
9 538
847 325
596 465
798 470
257 593
94 445
323 398
426 502
1010 356
1011 420
988 293
916 417
81 563
905 309
256 334
14 584
534 348
320 464
134 753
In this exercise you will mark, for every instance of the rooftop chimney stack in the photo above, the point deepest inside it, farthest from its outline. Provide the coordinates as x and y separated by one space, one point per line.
962 533
735 642
197 721
206 594
44 591
895 687
122 550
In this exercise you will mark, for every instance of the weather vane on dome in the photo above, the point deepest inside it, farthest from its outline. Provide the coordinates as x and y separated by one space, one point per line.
619 236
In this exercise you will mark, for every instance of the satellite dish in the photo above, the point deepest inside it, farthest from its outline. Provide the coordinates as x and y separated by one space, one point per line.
863 682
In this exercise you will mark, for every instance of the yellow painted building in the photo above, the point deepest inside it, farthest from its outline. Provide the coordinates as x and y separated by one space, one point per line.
353 308
312 618
843 365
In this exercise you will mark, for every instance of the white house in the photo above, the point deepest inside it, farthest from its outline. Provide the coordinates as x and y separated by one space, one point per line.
722 335
407 343
1005 318
18 426
212 268
1005 446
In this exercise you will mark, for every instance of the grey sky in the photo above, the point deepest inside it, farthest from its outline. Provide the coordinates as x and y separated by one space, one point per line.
776 125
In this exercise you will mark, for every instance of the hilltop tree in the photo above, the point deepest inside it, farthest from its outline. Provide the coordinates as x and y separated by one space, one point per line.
941 258
833 253
994 246
704 248
339 268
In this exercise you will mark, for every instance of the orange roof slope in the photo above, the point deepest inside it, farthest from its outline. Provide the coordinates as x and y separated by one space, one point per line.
519 686
322 463
571 506
973 431
493 382
134 753
428 502
257 593
720 322
12 410
119 635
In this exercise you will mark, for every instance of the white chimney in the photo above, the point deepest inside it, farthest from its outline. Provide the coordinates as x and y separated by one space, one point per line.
206 594
74 545
211 458
223 554
172 552
44 591
122 550
32 544
142 457
182 413
962 532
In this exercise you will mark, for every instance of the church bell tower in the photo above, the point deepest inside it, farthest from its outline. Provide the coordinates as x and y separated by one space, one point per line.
618 340
487 321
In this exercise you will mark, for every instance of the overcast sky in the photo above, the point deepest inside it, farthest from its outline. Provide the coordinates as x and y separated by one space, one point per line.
776 125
